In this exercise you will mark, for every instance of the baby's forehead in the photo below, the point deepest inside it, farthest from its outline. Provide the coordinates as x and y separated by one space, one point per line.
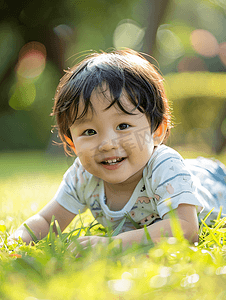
101 101
101 96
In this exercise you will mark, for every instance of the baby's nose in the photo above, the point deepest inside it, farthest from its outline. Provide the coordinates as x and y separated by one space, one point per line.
109 144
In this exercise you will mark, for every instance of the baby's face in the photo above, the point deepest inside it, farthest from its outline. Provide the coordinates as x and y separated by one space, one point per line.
111 144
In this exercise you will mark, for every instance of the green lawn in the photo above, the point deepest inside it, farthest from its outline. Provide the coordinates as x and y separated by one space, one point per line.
171 270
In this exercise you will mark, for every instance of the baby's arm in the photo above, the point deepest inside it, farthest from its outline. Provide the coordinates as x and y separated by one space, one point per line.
187 217
40 222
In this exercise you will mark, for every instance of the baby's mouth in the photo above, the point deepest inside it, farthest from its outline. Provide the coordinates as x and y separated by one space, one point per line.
113 161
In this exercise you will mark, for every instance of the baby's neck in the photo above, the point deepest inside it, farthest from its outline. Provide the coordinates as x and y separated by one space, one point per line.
127 186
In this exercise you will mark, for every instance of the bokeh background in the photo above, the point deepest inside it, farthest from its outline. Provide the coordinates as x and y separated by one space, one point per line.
40 39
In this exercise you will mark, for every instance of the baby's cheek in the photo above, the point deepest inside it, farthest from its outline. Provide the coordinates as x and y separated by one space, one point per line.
129 147
85 161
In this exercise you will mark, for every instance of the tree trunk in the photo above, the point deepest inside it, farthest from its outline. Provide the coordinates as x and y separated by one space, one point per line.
156 12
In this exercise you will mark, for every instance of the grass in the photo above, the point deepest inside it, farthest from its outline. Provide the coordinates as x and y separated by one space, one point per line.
172 269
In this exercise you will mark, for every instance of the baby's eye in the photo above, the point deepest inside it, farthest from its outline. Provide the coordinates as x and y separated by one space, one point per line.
123 126
89 132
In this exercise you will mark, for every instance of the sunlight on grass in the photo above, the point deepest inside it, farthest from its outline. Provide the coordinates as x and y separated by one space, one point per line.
28 181
173 269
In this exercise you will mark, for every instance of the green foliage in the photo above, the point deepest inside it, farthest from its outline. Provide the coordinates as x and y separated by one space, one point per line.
197 101
173 268
47 269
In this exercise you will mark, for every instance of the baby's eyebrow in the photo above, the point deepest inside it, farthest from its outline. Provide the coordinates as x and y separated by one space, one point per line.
121 113
82 121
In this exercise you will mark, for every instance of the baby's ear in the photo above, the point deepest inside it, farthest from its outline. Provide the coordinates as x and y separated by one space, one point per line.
160 133
69 141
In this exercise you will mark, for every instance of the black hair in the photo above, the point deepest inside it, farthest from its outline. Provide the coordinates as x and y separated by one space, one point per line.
122 71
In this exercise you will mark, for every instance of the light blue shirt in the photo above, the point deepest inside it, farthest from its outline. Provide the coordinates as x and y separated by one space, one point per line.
168 180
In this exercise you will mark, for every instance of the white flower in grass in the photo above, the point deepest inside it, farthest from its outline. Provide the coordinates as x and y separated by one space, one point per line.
190 280
120 285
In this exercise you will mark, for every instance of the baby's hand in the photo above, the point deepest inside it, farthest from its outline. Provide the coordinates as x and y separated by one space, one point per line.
92 240
85 241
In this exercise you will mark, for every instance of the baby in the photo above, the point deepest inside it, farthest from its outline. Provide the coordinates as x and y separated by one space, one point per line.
112 111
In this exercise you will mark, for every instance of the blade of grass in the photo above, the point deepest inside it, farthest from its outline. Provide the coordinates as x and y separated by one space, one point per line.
90 227
211 234
148 237
207 216
51 233
69 234
219 214
224 239
59 230
119 227
108 228
78 234
221 223
51 228
94 225
31 233
135 224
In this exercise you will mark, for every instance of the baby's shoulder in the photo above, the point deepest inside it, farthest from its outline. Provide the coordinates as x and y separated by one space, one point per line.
78 178
164 154
78 172
165 163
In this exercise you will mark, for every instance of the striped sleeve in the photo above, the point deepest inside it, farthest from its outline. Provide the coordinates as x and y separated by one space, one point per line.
170 181
71 190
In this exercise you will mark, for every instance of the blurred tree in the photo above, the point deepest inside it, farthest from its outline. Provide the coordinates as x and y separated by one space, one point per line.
64 28
156 11
23 22
191 40
67 28
32 21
